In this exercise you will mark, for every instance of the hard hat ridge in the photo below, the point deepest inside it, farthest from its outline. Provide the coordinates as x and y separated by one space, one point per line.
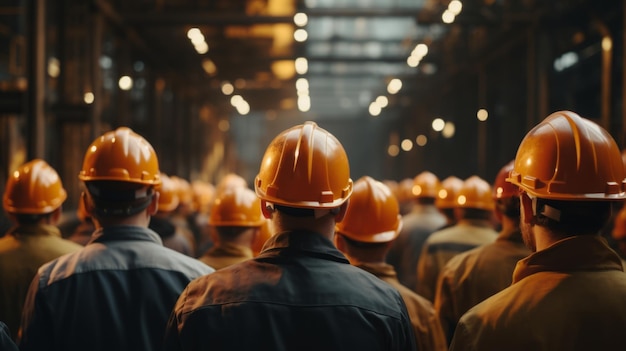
567 157
304 167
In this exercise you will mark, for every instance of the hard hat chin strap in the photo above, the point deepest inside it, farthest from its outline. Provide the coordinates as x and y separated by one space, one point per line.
108 207
540 208
321 212
303 212
126 210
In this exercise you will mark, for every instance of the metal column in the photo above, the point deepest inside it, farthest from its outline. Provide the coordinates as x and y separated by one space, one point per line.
96 74
35 107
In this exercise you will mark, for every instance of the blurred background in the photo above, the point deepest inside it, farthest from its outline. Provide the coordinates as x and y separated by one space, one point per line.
406 85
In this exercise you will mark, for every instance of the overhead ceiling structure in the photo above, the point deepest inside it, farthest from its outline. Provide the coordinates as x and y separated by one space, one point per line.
449 86
336 60
353 47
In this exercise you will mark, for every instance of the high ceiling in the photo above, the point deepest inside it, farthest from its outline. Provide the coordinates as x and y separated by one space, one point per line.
495 54
354 47
353 50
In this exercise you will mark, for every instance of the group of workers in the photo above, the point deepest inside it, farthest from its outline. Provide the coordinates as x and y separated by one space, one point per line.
311 260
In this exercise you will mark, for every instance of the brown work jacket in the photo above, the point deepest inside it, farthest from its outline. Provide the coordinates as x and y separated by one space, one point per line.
472 276
569 296
22 251
444 244
224 255
428 333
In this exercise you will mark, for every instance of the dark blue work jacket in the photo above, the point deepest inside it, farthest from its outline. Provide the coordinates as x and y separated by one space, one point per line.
115 294
300 293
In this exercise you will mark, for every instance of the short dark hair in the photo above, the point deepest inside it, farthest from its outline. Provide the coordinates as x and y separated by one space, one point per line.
295 211
475 213
230 231
28 218
576 217
509 207
425 200
119 199
361 244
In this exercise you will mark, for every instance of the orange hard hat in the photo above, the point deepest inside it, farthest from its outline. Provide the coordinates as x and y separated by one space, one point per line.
168 198
447 194
373 213
501 188
229 181
237 207
567 157
305 167
425 184
476 193
394 187
34 188
184 190
203 194
121 155
405 190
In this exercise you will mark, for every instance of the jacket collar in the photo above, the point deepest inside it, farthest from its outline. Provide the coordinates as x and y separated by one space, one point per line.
381 270
125 233
34 229
575 253
230 250
302 243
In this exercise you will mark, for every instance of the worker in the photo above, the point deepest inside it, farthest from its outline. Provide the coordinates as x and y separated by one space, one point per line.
371 224
569 294
82 232
229 181
183 216
471 277
33 199
117 292
171 234
6 342
405 195
446 199
473 228
236 220
300 293
422 221
618 234
203 197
